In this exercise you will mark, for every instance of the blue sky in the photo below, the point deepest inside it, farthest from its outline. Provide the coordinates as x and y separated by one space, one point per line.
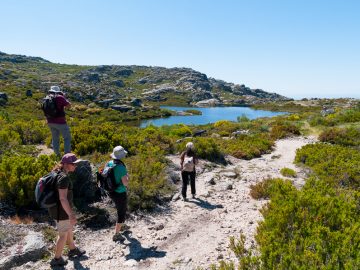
297 48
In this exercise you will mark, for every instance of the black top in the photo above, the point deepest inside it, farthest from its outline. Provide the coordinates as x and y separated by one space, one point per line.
57 212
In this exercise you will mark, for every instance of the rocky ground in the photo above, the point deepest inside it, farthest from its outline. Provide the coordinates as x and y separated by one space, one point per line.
187 235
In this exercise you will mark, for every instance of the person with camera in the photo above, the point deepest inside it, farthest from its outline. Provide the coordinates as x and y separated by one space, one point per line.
54 105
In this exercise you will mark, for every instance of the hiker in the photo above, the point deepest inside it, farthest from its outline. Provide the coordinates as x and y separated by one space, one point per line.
62 212
188 160
56 120
119 195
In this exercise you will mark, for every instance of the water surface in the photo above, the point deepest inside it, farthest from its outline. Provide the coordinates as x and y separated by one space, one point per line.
209 115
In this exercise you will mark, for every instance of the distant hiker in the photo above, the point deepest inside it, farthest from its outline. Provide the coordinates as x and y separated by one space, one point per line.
62 212
119 195
188 160
53 106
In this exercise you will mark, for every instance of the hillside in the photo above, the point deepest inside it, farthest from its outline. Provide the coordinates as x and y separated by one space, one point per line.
111 85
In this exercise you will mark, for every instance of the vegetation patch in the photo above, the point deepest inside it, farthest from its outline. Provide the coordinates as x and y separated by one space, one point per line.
287 172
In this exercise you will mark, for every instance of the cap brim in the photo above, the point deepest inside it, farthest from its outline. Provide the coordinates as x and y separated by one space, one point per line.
119 157
78 161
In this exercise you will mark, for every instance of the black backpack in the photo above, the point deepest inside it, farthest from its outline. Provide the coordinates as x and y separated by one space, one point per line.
106 178
46 194
49 107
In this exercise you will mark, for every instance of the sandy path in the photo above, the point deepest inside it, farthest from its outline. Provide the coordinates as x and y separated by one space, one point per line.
186 235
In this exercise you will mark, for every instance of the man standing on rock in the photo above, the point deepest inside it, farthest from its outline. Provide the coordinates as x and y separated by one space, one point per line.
55 116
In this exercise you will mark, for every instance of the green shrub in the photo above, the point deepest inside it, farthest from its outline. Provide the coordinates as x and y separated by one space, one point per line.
225 127
314 228
284 129
262 190
343 136
287 172
335 164
19 175
194 112
147 177
247 146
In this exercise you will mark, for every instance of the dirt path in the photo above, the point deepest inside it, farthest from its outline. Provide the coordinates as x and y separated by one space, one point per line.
195 233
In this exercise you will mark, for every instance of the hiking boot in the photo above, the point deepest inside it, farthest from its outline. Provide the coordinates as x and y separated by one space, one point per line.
193 196
58 262
125 227
118 237
184 199
76 252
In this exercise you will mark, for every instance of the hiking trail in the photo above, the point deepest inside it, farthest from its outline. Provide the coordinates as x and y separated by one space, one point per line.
187 235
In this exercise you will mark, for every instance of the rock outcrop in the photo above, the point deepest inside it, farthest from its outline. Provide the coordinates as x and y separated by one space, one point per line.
153 84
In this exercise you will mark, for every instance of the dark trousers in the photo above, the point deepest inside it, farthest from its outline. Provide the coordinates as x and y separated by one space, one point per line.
120 200
186 176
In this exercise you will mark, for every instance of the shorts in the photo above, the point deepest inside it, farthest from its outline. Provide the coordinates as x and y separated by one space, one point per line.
63 226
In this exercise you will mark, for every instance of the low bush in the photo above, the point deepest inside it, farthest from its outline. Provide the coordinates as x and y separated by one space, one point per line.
287 172
282 129
343 136
148 181
261 190
247 146
194 112
314 228
19 175
335 164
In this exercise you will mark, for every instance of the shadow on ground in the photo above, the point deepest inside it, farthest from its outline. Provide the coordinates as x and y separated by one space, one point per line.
137 252
205 204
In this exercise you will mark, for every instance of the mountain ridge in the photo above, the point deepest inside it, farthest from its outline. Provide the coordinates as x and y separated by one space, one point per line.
110 84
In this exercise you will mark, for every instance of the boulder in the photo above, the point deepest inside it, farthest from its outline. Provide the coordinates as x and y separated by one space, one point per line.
136 102
142 81
85 189
124 72
4 96
201 95
28 93
106 102
121 108
199 132
91 77
156 98
32 248
208 103
78 96
103 68
118 83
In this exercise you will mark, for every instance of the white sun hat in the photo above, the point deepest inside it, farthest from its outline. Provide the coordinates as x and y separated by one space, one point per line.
118 152
189 145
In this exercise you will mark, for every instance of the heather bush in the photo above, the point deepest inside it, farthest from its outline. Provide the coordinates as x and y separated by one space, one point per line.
335 164
148 181
18 177
287 172
282 129
225 128
247 146
262 189
314 228
342 136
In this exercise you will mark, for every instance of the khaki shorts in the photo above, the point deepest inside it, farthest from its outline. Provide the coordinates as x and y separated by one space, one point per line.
63 225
